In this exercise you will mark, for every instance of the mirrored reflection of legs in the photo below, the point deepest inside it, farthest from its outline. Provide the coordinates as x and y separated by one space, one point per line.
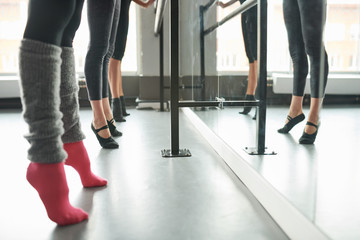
252 82
251 86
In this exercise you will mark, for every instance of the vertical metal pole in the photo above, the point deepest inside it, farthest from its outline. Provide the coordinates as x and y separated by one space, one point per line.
161 47
202 53
174 63
262 69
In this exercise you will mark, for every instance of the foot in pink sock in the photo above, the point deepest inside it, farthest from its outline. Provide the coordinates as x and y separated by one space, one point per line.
50 182
79 159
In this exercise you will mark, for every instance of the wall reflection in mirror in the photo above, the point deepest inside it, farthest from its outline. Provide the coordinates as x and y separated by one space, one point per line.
312 104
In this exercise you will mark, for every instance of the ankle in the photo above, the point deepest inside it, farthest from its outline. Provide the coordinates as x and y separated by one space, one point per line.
98 123
78 158
105 133
295 112
313 119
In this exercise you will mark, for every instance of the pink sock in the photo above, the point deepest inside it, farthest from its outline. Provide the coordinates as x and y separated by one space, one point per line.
50 182
79 159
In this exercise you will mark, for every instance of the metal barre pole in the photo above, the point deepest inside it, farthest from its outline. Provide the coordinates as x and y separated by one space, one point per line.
174 59
243 7
161 63
202 52
262 70
159 15
218 103
174 8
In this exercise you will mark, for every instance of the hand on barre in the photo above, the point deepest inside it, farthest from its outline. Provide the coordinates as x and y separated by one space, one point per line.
144 4
224 5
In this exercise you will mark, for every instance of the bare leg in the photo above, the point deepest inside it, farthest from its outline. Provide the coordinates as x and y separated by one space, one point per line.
107 109
109 118
115 81
252 83
295 107
315 106
99 118
115 78
252 79
295 114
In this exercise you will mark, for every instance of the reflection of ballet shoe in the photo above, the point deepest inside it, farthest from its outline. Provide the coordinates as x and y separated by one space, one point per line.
309 138
246 108
291 123
255 116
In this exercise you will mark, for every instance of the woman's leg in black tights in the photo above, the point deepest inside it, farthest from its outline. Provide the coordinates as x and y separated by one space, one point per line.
100 18
296 45
312 20
73 25
40 64
69 87
47 20
298 56
69 107
103 17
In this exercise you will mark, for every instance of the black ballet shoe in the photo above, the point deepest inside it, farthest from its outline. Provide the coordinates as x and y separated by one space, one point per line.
291 123
255 116
247 109
123 106
114 132
109 142
309 138
117 111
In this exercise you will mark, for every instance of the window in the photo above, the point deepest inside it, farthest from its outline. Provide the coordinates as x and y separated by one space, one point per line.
13 15
355 32
341 37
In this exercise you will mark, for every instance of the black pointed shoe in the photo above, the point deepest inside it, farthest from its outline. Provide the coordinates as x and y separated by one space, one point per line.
109 142
246 108
114 132
309 138
291 123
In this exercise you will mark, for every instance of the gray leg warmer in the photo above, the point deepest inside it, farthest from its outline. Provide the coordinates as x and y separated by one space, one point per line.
40 84
69 106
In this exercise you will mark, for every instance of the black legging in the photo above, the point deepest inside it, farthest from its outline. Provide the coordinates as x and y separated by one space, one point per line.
122 30
249 31
304 25
103 18
54 22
